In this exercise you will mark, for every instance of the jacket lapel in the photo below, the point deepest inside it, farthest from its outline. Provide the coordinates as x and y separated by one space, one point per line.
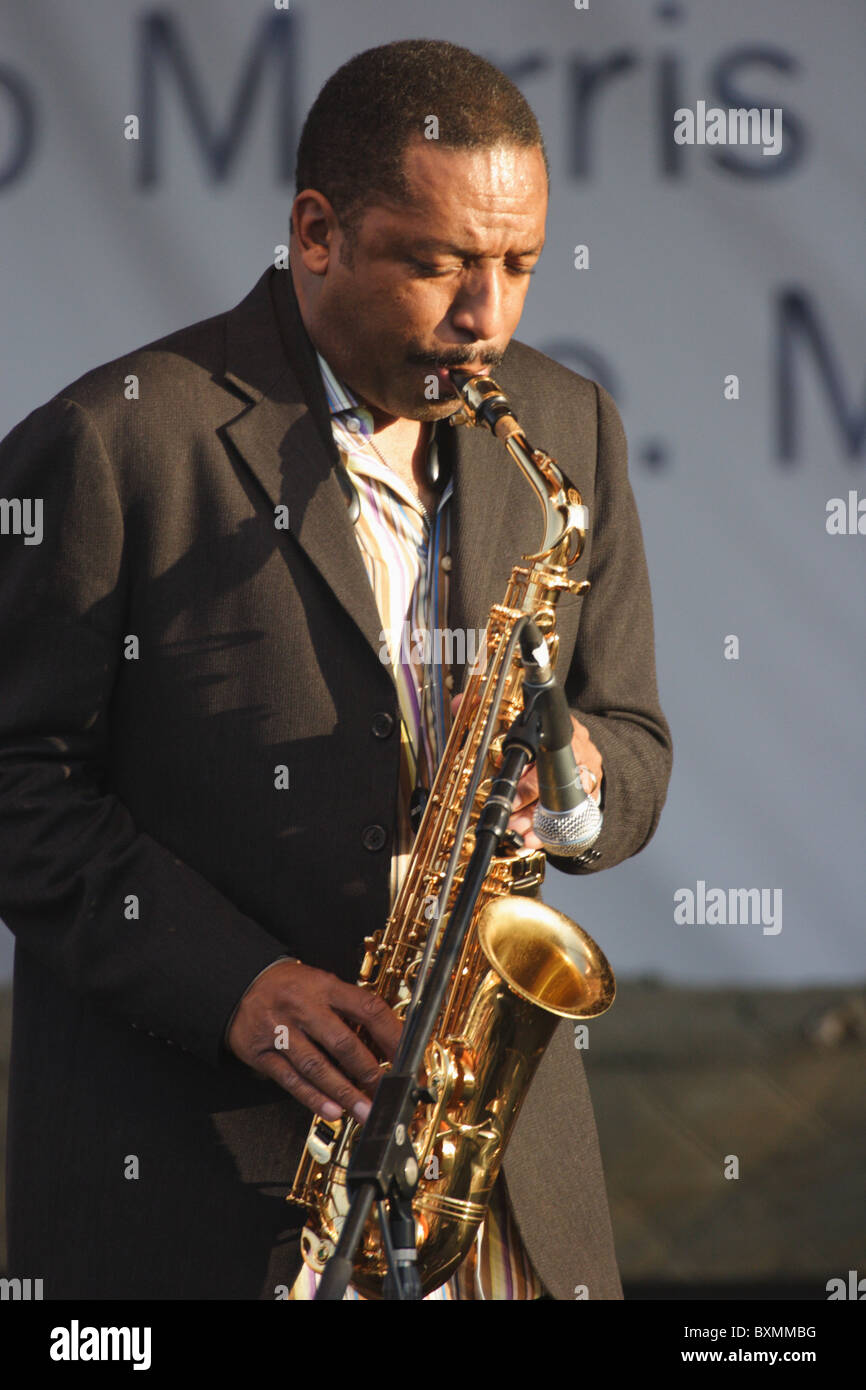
285 439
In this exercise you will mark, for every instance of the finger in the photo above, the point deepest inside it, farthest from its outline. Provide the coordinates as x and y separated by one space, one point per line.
523 826
590 780
526 792
322 1024
369 1009
345 1048
526 803
320 1075
280 1070
591 783
522 822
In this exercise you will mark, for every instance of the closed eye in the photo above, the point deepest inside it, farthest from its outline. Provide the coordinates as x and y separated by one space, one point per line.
426 268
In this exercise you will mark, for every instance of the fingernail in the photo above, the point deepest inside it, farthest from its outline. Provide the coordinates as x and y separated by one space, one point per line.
330 1111
361 1111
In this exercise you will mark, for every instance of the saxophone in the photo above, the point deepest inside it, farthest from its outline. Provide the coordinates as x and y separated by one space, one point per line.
523 966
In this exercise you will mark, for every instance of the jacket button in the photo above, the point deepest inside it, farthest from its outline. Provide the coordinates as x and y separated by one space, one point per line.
373 837
383 724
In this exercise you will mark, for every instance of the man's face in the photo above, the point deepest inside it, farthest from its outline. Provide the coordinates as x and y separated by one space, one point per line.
436 283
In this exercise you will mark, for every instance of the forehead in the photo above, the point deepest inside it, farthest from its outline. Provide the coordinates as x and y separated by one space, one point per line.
473 197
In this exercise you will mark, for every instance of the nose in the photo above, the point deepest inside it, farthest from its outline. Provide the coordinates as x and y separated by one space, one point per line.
478 308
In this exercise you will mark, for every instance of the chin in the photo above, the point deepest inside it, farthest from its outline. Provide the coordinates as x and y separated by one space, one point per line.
420 408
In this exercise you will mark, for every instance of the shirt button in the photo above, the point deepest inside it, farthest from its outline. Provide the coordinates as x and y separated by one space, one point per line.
373 837
383 724
445 562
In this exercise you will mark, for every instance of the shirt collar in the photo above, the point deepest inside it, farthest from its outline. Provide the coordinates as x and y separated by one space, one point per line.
339 396
342 401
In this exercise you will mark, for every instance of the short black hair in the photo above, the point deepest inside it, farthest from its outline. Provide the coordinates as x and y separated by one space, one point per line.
355 135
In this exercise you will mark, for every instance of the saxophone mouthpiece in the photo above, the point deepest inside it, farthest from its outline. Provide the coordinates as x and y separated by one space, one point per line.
484 403
472 387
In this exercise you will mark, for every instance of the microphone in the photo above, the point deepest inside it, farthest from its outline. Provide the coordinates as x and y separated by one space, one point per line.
566 821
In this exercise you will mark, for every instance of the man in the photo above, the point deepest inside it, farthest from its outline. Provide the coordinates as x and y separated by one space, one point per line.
208 768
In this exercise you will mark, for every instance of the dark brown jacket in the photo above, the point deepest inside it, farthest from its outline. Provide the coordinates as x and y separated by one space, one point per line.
164 650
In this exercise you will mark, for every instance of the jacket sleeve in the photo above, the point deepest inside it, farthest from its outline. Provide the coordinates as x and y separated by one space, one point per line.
70 855
611 685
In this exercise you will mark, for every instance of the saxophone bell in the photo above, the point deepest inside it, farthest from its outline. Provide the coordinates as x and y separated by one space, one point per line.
546 958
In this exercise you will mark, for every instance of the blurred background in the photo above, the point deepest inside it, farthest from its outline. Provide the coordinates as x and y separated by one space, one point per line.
728 1078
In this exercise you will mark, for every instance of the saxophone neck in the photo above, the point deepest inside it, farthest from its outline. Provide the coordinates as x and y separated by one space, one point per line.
566 519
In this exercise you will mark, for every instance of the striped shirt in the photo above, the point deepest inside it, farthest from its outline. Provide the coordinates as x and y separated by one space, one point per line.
403 551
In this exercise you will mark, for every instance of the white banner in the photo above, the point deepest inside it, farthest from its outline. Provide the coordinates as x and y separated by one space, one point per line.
719 296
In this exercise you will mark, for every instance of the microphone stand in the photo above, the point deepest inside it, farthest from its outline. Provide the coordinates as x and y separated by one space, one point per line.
384 1166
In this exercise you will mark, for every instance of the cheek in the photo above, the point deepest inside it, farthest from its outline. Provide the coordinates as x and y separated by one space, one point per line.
415 312
515 302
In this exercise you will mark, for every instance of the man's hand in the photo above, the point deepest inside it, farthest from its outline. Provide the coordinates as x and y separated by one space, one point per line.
290 1008
526 799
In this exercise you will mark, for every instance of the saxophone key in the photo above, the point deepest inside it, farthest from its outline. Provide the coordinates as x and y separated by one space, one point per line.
322 1138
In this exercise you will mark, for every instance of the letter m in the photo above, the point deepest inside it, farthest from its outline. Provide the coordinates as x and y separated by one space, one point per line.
162 49
10 1288
744 127
744 905
451 646
797 321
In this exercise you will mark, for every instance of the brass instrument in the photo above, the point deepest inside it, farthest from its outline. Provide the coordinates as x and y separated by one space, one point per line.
523 966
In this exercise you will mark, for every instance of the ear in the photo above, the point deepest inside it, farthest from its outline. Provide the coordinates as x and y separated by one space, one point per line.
315 229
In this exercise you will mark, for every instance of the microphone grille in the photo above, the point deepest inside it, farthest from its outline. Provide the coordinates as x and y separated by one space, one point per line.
568 833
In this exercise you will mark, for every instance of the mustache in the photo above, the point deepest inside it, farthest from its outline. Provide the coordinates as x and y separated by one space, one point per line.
460 357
